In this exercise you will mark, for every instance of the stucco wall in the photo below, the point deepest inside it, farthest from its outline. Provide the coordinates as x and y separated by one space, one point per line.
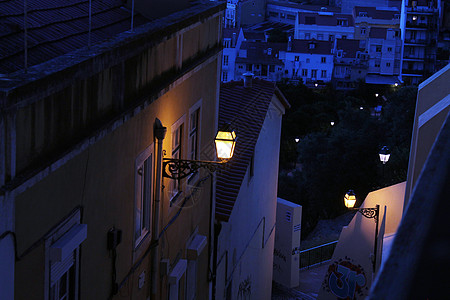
248 264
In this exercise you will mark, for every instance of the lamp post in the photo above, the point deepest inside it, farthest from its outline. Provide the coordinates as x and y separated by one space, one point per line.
384 153
180 168
370 213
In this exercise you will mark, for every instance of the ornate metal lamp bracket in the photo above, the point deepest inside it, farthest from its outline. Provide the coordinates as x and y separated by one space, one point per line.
370 213
181 168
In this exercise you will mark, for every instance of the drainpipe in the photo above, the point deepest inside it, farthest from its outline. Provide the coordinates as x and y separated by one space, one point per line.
159 132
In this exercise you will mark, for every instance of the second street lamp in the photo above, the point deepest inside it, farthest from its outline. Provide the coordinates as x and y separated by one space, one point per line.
370 213
180 168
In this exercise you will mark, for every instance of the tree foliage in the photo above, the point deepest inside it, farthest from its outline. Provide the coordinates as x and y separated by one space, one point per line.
332 159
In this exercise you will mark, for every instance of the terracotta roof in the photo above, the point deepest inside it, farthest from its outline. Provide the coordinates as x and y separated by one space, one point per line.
323 19
245 109
56 27
374 13
258 52
320 47
349 47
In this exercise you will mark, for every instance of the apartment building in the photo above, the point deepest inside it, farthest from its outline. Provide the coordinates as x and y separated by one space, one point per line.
286 12
85 117
232 39
350 64
420 21
308 60
260 58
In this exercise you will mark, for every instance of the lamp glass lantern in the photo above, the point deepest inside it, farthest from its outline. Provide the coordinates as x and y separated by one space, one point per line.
350 199
225 144
385 153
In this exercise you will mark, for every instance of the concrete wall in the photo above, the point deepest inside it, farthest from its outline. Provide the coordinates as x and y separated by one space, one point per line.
432 107
246 256
352 257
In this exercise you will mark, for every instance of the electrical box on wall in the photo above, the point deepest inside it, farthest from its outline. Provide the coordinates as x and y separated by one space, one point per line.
114 238
287 243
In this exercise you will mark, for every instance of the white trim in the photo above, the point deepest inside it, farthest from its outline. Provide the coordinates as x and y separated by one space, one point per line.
434 110
71 240
196 247
434 76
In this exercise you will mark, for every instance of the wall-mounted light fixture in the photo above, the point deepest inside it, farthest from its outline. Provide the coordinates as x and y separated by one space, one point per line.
368 212
180 168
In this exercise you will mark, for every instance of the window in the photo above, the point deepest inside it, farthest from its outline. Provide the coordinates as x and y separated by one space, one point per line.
363 31
273 14
323 74
331 37
226 43
323 59
344 37
320 36
248 67
304 72
388 64
312 46
313 73
307 36
224 76
240 66
62 258
177 147
225 60
194 131
342 22
297 58
378 48
362 14
143 195
377 64
389 49
271 68
308 60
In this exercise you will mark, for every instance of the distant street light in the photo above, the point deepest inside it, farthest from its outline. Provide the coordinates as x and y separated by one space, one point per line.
316 84
332 123
370 213
376 95
297 140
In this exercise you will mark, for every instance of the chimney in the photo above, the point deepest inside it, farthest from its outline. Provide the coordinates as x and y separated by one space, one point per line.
248 78
289 47
233 40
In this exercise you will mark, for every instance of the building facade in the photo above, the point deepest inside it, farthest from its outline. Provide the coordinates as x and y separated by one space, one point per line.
324 26
247 190
420 21
85 210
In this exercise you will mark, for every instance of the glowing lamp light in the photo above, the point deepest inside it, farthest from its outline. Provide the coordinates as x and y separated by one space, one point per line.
297 140
350 199
376 95
385 153
396 84
316 84
332 123
225 144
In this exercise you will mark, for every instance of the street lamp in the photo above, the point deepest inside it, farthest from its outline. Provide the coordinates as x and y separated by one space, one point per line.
180 168
370 213
332 123
297 140
384 153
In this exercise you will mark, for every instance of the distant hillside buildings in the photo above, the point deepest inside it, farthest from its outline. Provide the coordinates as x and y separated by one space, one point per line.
388 44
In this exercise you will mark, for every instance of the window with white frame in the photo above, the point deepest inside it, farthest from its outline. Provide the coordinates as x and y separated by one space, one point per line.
363 31
323 59
177 152
304 72
323 74
313 73
224 76
62 252
143 195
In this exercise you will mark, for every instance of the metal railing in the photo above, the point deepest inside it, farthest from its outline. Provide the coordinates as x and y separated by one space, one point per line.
316 255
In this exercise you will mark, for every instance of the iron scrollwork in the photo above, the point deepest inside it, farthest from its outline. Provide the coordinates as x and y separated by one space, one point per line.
370 213
180 168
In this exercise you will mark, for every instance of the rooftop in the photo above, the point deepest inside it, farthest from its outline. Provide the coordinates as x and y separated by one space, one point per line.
305 46
245 109
375 13
56 28
349 47
331 19
258 52
378 32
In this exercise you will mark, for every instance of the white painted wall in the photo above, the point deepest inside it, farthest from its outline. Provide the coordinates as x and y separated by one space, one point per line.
315 30
309 62
252 222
